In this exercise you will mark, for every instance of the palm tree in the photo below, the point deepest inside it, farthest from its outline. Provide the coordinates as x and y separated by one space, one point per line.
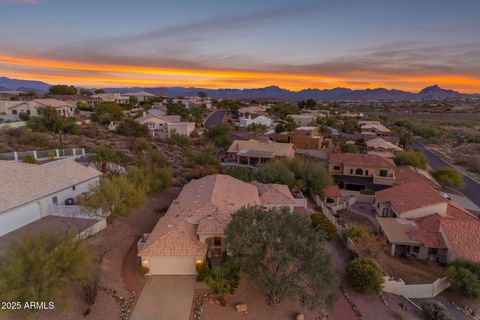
223 281
102 155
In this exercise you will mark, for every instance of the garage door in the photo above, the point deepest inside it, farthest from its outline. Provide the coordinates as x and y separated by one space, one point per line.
172 265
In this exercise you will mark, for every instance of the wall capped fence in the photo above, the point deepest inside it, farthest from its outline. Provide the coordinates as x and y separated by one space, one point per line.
415 291
43 154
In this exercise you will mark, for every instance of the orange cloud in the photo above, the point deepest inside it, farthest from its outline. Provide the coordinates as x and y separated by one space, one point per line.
104 74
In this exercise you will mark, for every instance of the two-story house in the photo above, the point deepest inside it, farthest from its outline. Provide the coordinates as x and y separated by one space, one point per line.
355 172
308 138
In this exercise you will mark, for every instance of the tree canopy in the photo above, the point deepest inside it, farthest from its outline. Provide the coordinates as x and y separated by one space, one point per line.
281 252
448 176
349 148
464 277
106 112
50 120
62 89
411 158
37 267
115 196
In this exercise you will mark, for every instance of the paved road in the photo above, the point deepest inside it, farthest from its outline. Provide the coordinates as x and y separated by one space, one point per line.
215 119
472 188
165 297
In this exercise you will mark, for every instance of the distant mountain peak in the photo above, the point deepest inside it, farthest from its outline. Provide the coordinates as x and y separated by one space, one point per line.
436 91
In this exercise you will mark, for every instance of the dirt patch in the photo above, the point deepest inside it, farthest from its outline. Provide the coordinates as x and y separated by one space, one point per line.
412 271
254 298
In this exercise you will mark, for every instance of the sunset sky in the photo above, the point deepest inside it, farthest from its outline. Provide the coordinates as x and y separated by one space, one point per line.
243 44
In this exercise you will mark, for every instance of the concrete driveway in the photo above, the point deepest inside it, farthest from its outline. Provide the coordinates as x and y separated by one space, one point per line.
165 297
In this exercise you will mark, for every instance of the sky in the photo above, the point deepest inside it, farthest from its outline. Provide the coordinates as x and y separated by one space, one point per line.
402 44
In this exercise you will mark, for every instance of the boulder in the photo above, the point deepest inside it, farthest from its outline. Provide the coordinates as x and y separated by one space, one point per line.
242 308
300 316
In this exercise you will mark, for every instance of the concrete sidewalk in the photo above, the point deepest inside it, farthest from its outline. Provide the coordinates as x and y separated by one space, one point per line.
165 297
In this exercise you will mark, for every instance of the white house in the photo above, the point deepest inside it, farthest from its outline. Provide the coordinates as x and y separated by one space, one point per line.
141 95
181 128
31 107
259 119
112 97
30 192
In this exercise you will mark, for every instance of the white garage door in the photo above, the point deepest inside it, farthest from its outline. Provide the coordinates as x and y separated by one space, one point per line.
172 265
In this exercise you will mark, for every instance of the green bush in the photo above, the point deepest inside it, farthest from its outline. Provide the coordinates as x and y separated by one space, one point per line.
203 270
434 310
367 191
241 173
131 128
143 270
365 275
34 139
30 159
204 157
411 158
23 116
349 148
464 277
179 140
321 222
356 232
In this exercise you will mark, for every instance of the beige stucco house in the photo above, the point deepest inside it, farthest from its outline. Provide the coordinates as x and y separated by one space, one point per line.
255 152
193 227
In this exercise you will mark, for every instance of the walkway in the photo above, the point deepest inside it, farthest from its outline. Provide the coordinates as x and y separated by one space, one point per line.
165 297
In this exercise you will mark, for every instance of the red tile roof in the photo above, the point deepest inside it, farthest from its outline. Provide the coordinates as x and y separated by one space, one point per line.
410 196
406 174
361 160
463 237
332 191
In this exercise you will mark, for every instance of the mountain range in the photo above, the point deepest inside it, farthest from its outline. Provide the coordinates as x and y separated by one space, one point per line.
267 93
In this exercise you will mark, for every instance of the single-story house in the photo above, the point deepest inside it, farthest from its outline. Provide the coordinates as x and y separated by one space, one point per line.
141 95
30 192
256 119
193 226
253 152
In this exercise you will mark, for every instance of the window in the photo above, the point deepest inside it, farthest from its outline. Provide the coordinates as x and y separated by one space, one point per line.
351 171
366 172
336 168
28 112
416 249
359 172
55 200
433 251
14 111
383 173
73 187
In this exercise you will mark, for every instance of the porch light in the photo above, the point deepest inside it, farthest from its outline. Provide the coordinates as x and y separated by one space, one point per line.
144 262
199 261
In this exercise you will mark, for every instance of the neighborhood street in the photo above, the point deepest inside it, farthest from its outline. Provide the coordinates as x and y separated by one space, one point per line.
472 188
215 119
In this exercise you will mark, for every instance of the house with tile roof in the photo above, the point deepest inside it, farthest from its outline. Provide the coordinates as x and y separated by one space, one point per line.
418 220
30 192
162 126
255 152
353 171
32 107
308 138
193 226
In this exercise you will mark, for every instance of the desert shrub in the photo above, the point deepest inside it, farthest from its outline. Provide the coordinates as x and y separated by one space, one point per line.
321 222
434 310
430 132
90 288
464 277
473 137
203 157
364 275
275 172
448 176
179 140
411 158
356 232
132 128
141 144
241 173
203 270
143 270
30 159
222 141
23 116
35 139
349 148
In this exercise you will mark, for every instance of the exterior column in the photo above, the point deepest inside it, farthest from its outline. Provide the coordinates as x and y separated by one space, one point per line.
248 160
35 155
57 152
392 250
